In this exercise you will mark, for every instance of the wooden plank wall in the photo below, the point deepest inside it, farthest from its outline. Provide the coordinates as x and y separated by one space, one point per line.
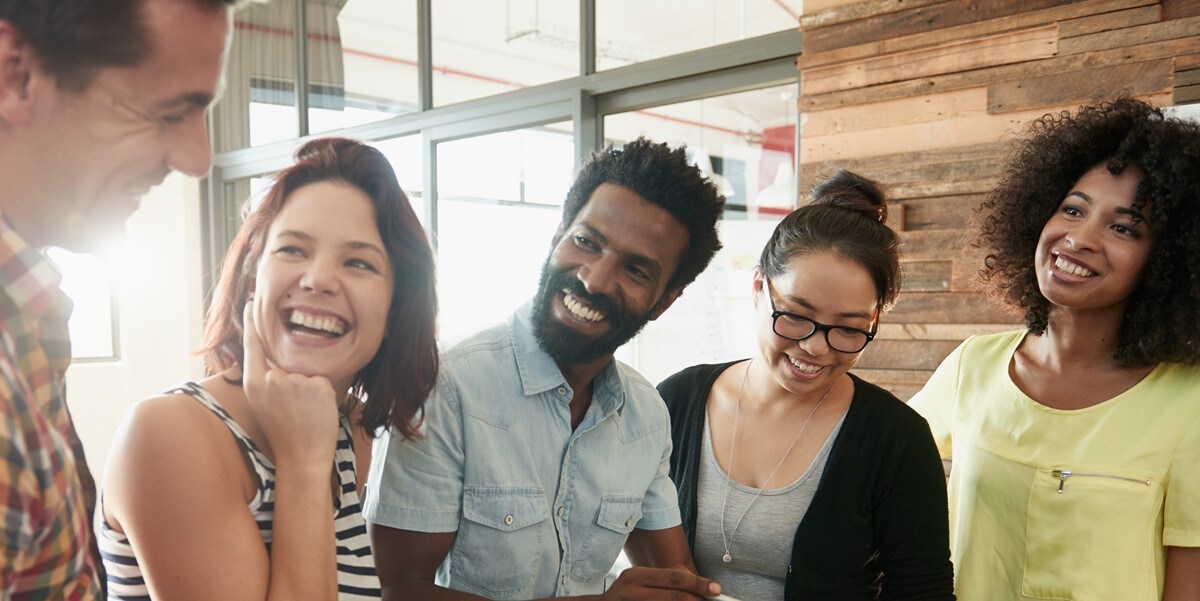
927 96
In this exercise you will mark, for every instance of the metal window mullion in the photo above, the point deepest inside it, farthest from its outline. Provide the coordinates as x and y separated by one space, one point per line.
425 54
429 195
589 134
302 67
587 37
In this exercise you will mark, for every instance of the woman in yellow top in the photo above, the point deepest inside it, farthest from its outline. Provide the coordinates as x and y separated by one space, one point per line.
1076 441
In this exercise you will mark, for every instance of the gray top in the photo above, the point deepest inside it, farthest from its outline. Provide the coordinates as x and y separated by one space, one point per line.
763 545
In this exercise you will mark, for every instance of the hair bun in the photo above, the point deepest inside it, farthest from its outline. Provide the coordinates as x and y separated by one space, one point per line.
851 191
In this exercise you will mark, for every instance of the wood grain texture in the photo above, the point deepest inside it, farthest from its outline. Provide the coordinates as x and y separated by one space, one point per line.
969 170
1108 21
1080 87
879 377
858 10
938 213
1186 62
915 20
1188 28
948 307
988 51
986 76
1179 9
935 37
1187 78
926 276
936 331
1186 95
904 111
953 132
906 354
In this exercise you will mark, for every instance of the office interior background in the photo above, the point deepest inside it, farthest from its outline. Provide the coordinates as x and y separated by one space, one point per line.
486 109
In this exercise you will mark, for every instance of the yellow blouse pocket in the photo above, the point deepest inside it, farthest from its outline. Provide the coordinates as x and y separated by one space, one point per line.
1090 535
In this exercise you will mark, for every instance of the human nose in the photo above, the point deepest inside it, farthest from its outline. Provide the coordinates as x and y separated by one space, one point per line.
598 277
320 277
188 150
817 343
1082 236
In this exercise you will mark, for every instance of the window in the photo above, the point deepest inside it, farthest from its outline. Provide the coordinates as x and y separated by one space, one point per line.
93 325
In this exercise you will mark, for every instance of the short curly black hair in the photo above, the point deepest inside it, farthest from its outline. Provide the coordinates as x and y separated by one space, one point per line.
665 177
1162 318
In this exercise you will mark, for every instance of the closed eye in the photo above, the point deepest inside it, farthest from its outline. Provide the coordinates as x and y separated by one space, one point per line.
295 251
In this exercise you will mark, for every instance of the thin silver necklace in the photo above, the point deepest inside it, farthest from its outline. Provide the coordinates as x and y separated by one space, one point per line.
727 542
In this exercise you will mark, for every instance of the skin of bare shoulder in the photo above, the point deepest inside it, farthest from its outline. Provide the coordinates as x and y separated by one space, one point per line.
177 486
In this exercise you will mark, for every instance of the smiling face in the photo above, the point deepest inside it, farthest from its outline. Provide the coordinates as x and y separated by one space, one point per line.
606 276
1092 251
824 287
94 153
324 284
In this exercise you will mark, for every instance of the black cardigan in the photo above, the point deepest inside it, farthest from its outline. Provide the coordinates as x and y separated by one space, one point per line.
878 525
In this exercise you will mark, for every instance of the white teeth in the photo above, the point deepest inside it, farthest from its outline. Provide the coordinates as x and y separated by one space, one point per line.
332 325
807 368
578 310
1068 267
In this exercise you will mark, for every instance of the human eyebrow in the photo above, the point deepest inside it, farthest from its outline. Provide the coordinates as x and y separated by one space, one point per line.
1082 195
359 245
845 314
1131 212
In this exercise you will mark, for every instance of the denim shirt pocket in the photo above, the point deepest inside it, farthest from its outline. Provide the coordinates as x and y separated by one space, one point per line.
499 542
618 516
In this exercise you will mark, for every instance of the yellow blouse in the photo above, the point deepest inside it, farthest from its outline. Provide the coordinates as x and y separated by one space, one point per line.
1056 504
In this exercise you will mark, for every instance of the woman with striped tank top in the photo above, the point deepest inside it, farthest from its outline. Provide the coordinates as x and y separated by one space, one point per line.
247 484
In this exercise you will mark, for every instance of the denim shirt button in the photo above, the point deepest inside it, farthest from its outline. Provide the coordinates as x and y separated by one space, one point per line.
562 390
628 522
560 511
508 520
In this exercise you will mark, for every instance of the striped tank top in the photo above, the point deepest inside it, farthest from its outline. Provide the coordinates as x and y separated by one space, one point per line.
355 564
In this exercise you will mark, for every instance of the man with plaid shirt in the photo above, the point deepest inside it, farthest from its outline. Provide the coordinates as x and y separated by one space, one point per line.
99 101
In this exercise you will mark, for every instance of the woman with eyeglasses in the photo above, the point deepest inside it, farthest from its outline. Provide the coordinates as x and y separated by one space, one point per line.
1076 439
797 479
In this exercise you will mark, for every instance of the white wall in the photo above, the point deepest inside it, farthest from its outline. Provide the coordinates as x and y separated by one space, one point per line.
161 309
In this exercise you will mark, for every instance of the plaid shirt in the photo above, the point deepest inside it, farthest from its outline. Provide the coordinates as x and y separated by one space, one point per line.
47 494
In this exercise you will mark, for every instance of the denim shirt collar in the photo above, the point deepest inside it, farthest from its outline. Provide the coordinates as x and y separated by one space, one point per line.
539 373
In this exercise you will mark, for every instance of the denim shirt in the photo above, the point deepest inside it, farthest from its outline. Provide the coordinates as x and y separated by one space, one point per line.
540 510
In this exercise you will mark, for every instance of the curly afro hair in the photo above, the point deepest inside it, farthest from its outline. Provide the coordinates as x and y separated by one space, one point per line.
1162 319
665 177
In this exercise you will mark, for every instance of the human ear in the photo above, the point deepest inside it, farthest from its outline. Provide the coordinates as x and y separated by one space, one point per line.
18 70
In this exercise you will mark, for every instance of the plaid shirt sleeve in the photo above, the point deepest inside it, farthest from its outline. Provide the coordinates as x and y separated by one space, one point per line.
42 518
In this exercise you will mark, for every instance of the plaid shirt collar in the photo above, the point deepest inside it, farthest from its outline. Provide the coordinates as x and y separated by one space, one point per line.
29 279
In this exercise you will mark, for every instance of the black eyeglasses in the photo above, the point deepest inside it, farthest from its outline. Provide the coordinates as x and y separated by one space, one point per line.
842 339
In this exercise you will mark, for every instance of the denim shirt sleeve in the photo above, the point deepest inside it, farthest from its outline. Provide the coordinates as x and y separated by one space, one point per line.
416 484
660 508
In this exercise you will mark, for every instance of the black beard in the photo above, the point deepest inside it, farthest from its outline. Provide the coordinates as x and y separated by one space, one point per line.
568 346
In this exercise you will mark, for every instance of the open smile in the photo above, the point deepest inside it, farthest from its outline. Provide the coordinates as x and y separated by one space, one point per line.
309 324
580 310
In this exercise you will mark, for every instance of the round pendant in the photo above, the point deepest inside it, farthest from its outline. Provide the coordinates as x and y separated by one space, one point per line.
726 558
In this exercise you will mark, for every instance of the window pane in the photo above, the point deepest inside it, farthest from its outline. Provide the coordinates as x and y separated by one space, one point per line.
258 104
407 160
88 282
493 233
486 48
746 142
631 31
362 61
